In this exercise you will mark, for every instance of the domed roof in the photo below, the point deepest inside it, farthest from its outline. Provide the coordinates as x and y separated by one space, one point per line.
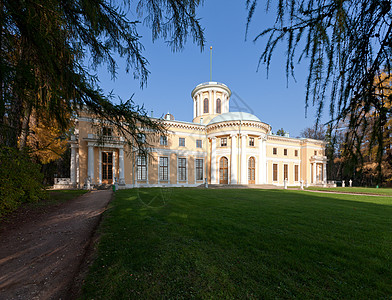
234 116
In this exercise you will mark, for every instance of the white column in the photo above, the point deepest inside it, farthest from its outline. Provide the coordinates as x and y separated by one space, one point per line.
73 165
314 172
198 104
90 167
114 167
201 104
244 173
121 166
77 169
194 107
210 102
265 169
233 165
213 161
260 168
325 172
100 166
214 103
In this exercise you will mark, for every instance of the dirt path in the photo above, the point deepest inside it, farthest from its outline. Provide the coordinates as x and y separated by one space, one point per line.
41 253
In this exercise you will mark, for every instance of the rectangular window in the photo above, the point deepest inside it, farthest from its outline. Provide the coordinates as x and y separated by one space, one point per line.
107 131
296 172
181 142
199 169
198 144
163 168
182 169
286 171
275 151
315 152
275 172
296 152
285 152
141 168
223 142
163 140
251 142
107 165
141 138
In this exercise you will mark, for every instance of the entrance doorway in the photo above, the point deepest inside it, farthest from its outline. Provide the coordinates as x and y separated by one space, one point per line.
107 167
251 170
223 171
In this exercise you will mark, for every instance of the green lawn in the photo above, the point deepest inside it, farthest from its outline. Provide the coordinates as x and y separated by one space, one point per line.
226 244
359 190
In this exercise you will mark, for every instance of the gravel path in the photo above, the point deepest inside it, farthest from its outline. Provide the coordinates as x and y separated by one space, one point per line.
41 251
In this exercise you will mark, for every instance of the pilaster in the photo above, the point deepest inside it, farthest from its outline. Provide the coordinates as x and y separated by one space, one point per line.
244 172
90 172
121 166
213 161
233 165
73 165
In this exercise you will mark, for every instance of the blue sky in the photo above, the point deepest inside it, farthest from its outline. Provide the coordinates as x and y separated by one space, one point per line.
174 75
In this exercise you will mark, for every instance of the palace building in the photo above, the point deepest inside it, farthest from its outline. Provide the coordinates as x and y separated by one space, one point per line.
218 146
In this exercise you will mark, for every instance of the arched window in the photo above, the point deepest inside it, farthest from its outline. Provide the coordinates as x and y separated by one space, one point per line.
206 105
223 171
218 106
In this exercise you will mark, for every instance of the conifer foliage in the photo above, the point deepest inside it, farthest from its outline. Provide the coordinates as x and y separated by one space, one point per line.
49 50
44 46
348 47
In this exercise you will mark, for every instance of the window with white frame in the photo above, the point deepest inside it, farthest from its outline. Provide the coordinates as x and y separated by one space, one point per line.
181 142
182 169
141 138
163 168
275 172
223 142
198 144
251 142
286 172
205 110
163 140
199 169
218 106
141 167
107 131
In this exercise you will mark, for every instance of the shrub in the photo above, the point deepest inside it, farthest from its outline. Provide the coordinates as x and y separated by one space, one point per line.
20 180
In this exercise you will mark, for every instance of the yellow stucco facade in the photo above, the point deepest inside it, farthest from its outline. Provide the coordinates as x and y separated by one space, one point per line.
218 147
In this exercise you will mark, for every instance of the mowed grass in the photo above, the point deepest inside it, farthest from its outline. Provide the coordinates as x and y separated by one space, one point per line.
358 190
224 244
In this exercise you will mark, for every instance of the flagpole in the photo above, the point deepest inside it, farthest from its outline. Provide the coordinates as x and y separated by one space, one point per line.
210 63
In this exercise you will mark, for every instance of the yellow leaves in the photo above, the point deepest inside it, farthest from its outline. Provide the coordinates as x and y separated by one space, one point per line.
46 142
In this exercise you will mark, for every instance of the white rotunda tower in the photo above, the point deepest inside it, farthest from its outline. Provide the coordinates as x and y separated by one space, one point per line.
209 100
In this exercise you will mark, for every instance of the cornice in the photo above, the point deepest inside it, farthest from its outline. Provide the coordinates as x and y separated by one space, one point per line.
283 139
259 125
184 125
210 85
